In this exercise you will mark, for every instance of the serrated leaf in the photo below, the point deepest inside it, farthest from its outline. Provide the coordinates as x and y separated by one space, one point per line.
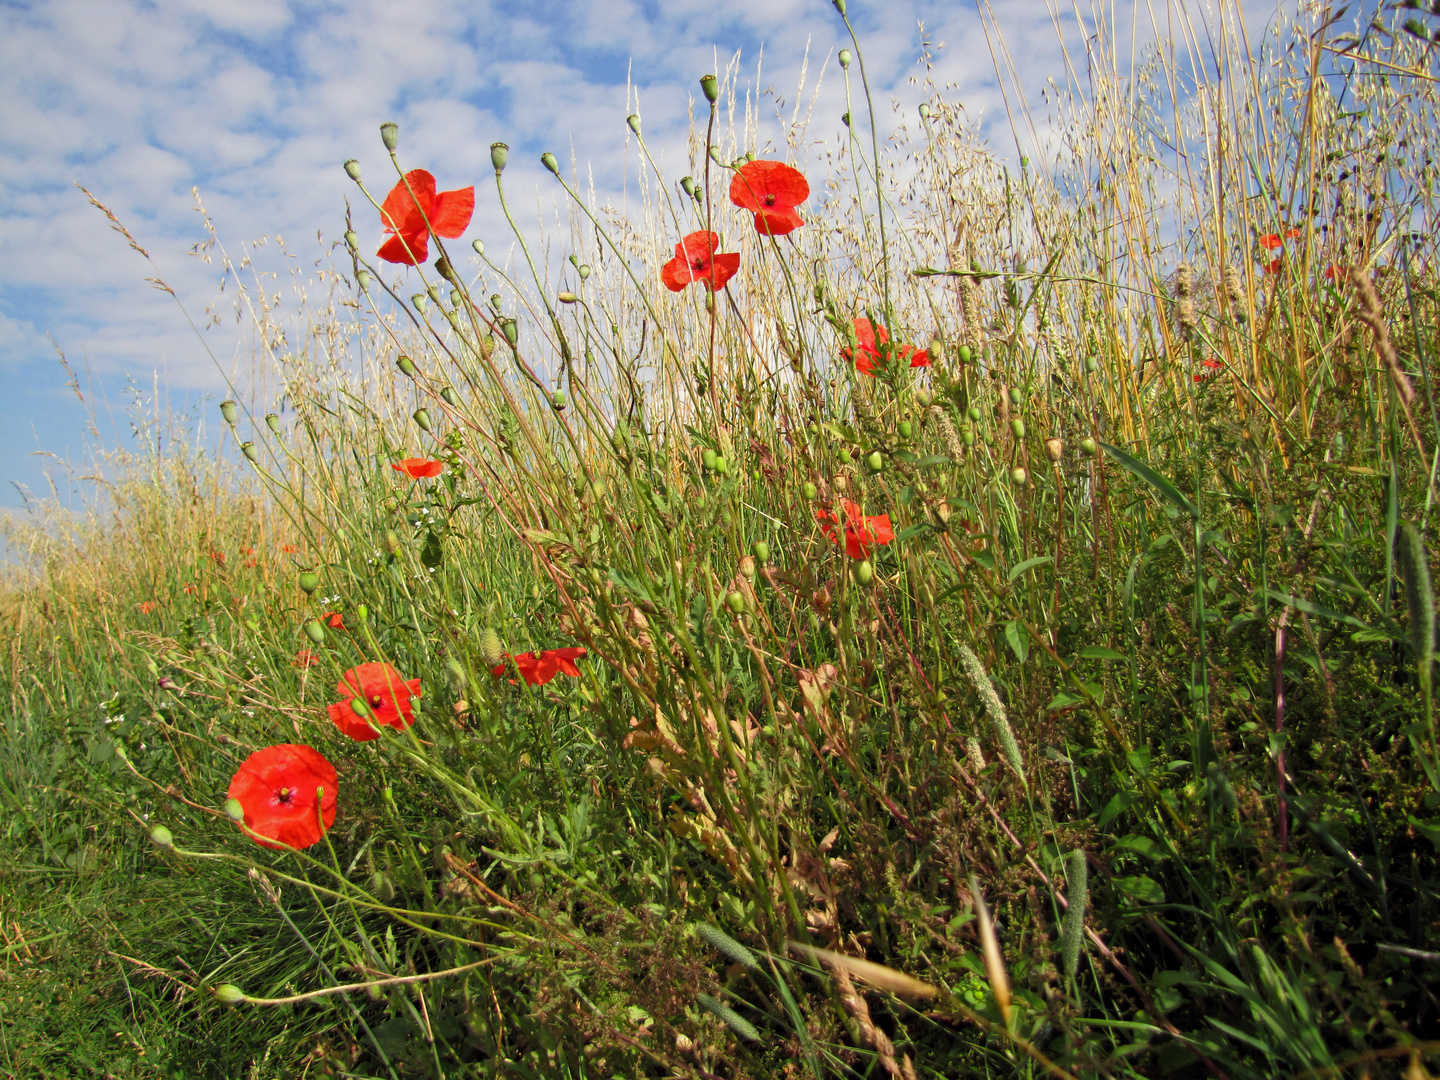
1160 483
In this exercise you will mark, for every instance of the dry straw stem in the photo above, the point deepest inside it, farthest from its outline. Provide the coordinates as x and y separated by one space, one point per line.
877 975
1371 315
994 962
854 1004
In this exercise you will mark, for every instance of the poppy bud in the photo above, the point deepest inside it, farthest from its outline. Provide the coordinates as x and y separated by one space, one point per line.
687 185
351 240
406 365
478 246
710 88
1088 445
511 329
1054 448
315 632
839 6
352 170
936 348
1019 475
228 411
363 279
747 566
721 465
390 135
864 572
1091 365
557 399
234 810
924 111
974 413
229 994
250 452
968 438
309 581
362 614
708 458
548 160
808 490
844 56
272 422
392 541
1015 395
360 707
875 462
906 430
1017 428
499 155
418 299
491 647
633 122
444 269
761 550
567 298
964 354
455 675
160 836
584 271
735 602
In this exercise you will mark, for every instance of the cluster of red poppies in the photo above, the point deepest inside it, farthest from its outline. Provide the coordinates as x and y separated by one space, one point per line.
285 795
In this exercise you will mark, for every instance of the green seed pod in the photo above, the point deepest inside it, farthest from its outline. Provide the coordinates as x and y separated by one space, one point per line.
567 297
964 354
352 169
511 329
390 135
1092 365
761 551
735 602
1017 428
1019 475
351 240
1088 445
924 111
864 572
229 994
233 810
160 836
456 298
1072 935
968 436
499 155
710 88
315 632
309 581
362 614
447 273
419 300
406 365
249 450
974 413
808 490
906 430
478 246
875 461
721 465
687 185
1016 396
228 411
455 675
845 55
548 160
448 395
272 422
708 458
491 647
633 122
422 419
363 279
557 399
1419 598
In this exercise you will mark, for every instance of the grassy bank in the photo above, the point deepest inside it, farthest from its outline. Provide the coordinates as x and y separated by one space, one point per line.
1038 687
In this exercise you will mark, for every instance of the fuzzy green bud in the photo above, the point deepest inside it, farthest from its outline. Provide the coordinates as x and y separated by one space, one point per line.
228 411
309 581
406 365
964 354
352 169
391 541
229 994
315 632
455 675
233 810
1419 597
1072 935
567 297
362 614
160 836
550 162
422 419
710 88
840 7
968 436
491 647
735 602
390 135
499 155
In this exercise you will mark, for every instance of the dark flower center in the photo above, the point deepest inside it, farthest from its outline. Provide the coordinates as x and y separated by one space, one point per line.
284 795
769 200
698 263
376 701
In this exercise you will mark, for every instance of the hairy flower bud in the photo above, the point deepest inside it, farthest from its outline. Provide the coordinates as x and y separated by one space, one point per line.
491 647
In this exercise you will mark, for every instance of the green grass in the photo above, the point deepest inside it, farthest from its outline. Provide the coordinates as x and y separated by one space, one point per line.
773 747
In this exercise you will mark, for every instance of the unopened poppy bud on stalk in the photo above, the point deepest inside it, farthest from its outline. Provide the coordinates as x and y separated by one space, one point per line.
392 541
875 462
499 155
229 994
710 88
548 160
864 572
633 122
272 422
362 614
844 55
309 581
234 809
352 170
160 836
390 135
228 411
491 647
422 419
315 632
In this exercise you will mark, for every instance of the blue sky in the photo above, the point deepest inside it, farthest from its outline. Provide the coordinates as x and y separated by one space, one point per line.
258 103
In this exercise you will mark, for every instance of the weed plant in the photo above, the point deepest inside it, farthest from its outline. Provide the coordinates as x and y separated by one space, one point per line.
1039 687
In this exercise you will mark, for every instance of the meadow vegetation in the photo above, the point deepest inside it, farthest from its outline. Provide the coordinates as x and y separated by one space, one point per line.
988 633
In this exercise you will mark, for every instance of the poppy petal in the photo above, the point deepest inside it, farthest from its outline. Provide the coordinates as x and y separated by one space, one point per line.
777 221
675 274
399 212
723 269
407 248
452 212
758 183
920 359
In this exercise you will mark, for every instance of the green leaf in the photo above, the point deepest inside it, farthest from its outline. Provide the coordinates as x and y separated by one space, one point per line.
1428 829
1063 700
1165 487
1100 652
1122 801
1316 609
432 554
1018 639
1028 564
1141 888
911 530
1142 845
631 583
1139 760
933 459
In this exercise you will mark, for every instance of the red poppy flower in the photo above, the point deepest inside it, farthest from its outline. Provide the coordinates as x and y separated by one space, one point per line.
1334 273
1292 234
289 549
1212 365
217 557
696 260
539 668
1273 267
334 620
419 468
385 695
860 531
305 658
770 190
287 792
1271 241
146 606
869 338
448 214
